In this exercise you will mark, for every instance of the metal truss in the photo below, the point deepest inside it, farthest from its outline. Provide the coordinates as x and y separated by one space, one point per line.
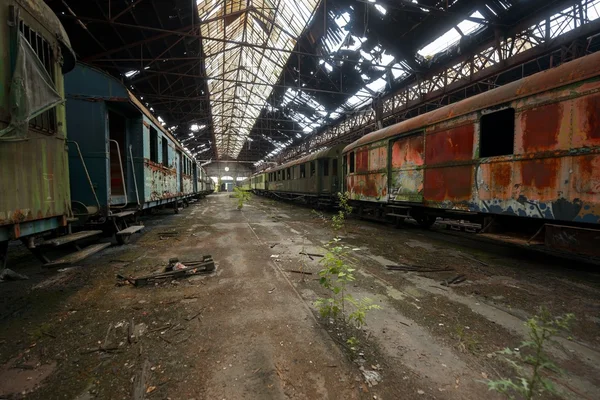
530 47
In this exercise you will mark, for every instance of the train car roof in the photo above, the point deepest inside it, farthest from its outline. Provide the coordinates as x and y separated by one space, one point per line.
311 157
44 14
572 72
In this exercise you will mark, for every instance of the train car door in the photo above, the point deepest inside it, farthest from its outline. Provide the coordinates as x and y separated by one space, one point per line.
335 177
117 126
324 180
406 167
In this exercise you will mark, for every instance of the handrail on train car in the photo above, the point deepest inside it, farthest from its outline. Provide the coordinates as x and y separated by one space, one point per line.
122 176
87 174
137 194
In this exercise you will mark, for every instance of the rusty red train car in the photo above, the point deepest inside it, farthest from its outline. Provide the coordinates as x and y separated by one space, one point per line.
528 149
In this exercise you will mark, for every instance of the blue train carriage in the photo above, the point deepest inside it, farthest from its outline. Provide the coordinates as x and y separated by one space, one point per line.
124 161
35 53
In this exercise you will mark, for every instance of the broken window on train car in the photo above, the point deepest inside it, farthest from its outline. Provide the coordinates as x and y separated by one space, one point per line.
153 145
165 152
497 133
302 171
351 162
312 168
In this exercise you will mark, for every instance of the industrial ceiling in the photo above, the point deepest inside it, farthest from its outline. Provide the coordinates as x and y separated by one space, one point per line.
265 80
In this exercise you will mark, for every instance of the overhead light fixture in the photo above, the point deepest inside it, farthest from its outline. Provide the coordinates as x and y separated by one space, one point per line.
226 169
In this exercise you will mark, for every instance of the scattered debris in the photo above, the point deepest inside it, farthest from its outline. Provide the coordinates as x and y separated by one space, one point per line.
271 291
8 274
454 281
273 245
195 315
274 255
371 377
175 269
311 254
416 268
299 272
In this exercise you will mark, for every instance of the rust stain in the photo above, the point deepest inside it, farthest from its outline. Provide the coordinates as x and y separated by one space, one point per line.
542 127
362 160
592 109
541 174
408 151
455 144
586 177
448 184
501 175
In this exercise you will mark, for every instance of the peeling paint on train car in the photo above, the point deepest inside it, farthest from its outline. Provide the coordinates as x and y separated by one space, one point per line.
407 169
369 187
159 182
494 181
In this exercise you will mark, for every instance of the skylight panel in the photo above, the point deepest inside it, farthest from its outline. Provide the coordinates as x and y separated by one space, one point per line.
451 37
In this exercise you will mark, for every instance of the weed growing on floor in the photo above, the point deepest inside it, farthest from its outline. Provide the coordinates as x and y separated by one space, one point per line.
345 209
335 277
242 196
530 359
466 341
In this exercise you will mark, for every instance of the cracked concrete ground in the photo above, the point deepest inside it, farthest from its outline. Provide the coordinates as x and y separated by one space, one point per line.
250 330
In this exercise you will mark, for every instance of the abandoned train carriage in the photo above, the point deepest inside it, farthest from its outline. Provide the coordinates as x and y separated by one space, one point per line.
316 177
530 148
133 163
34 171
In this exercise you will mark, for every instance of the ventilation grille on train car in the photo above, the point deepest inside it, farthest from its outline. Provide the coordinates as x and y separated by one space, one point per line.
45 122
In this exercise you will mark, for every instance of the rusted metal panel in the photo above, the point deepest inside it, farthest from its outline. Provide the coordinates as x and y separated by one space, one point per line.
378 158
494 181
586 124
367 187
543 128
407 169
362 160
451 145
453 184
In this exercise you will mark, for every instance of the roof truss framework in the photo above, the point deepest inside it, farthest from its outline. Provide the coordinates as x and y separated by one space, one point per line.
241 76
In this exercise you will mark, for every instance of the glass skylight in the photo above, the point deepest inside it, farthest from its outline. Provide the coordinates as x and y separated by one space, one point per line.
241 74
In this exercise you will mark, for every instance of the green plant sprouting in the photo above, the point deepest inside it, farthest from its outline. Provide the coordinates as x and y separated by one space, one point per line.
242 196
335 277
345 209
531 359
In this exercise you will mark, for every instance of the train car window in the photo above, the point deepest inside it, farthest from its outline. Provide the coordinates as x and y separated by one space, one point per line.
334 170
326 167
351 162
46 121
153 145
279 175
289 175
497 133
165 152
302 171
312 168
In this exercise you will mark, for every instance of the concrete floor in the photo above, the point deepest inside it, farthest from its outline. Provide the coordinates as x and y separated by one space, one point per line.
250 330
